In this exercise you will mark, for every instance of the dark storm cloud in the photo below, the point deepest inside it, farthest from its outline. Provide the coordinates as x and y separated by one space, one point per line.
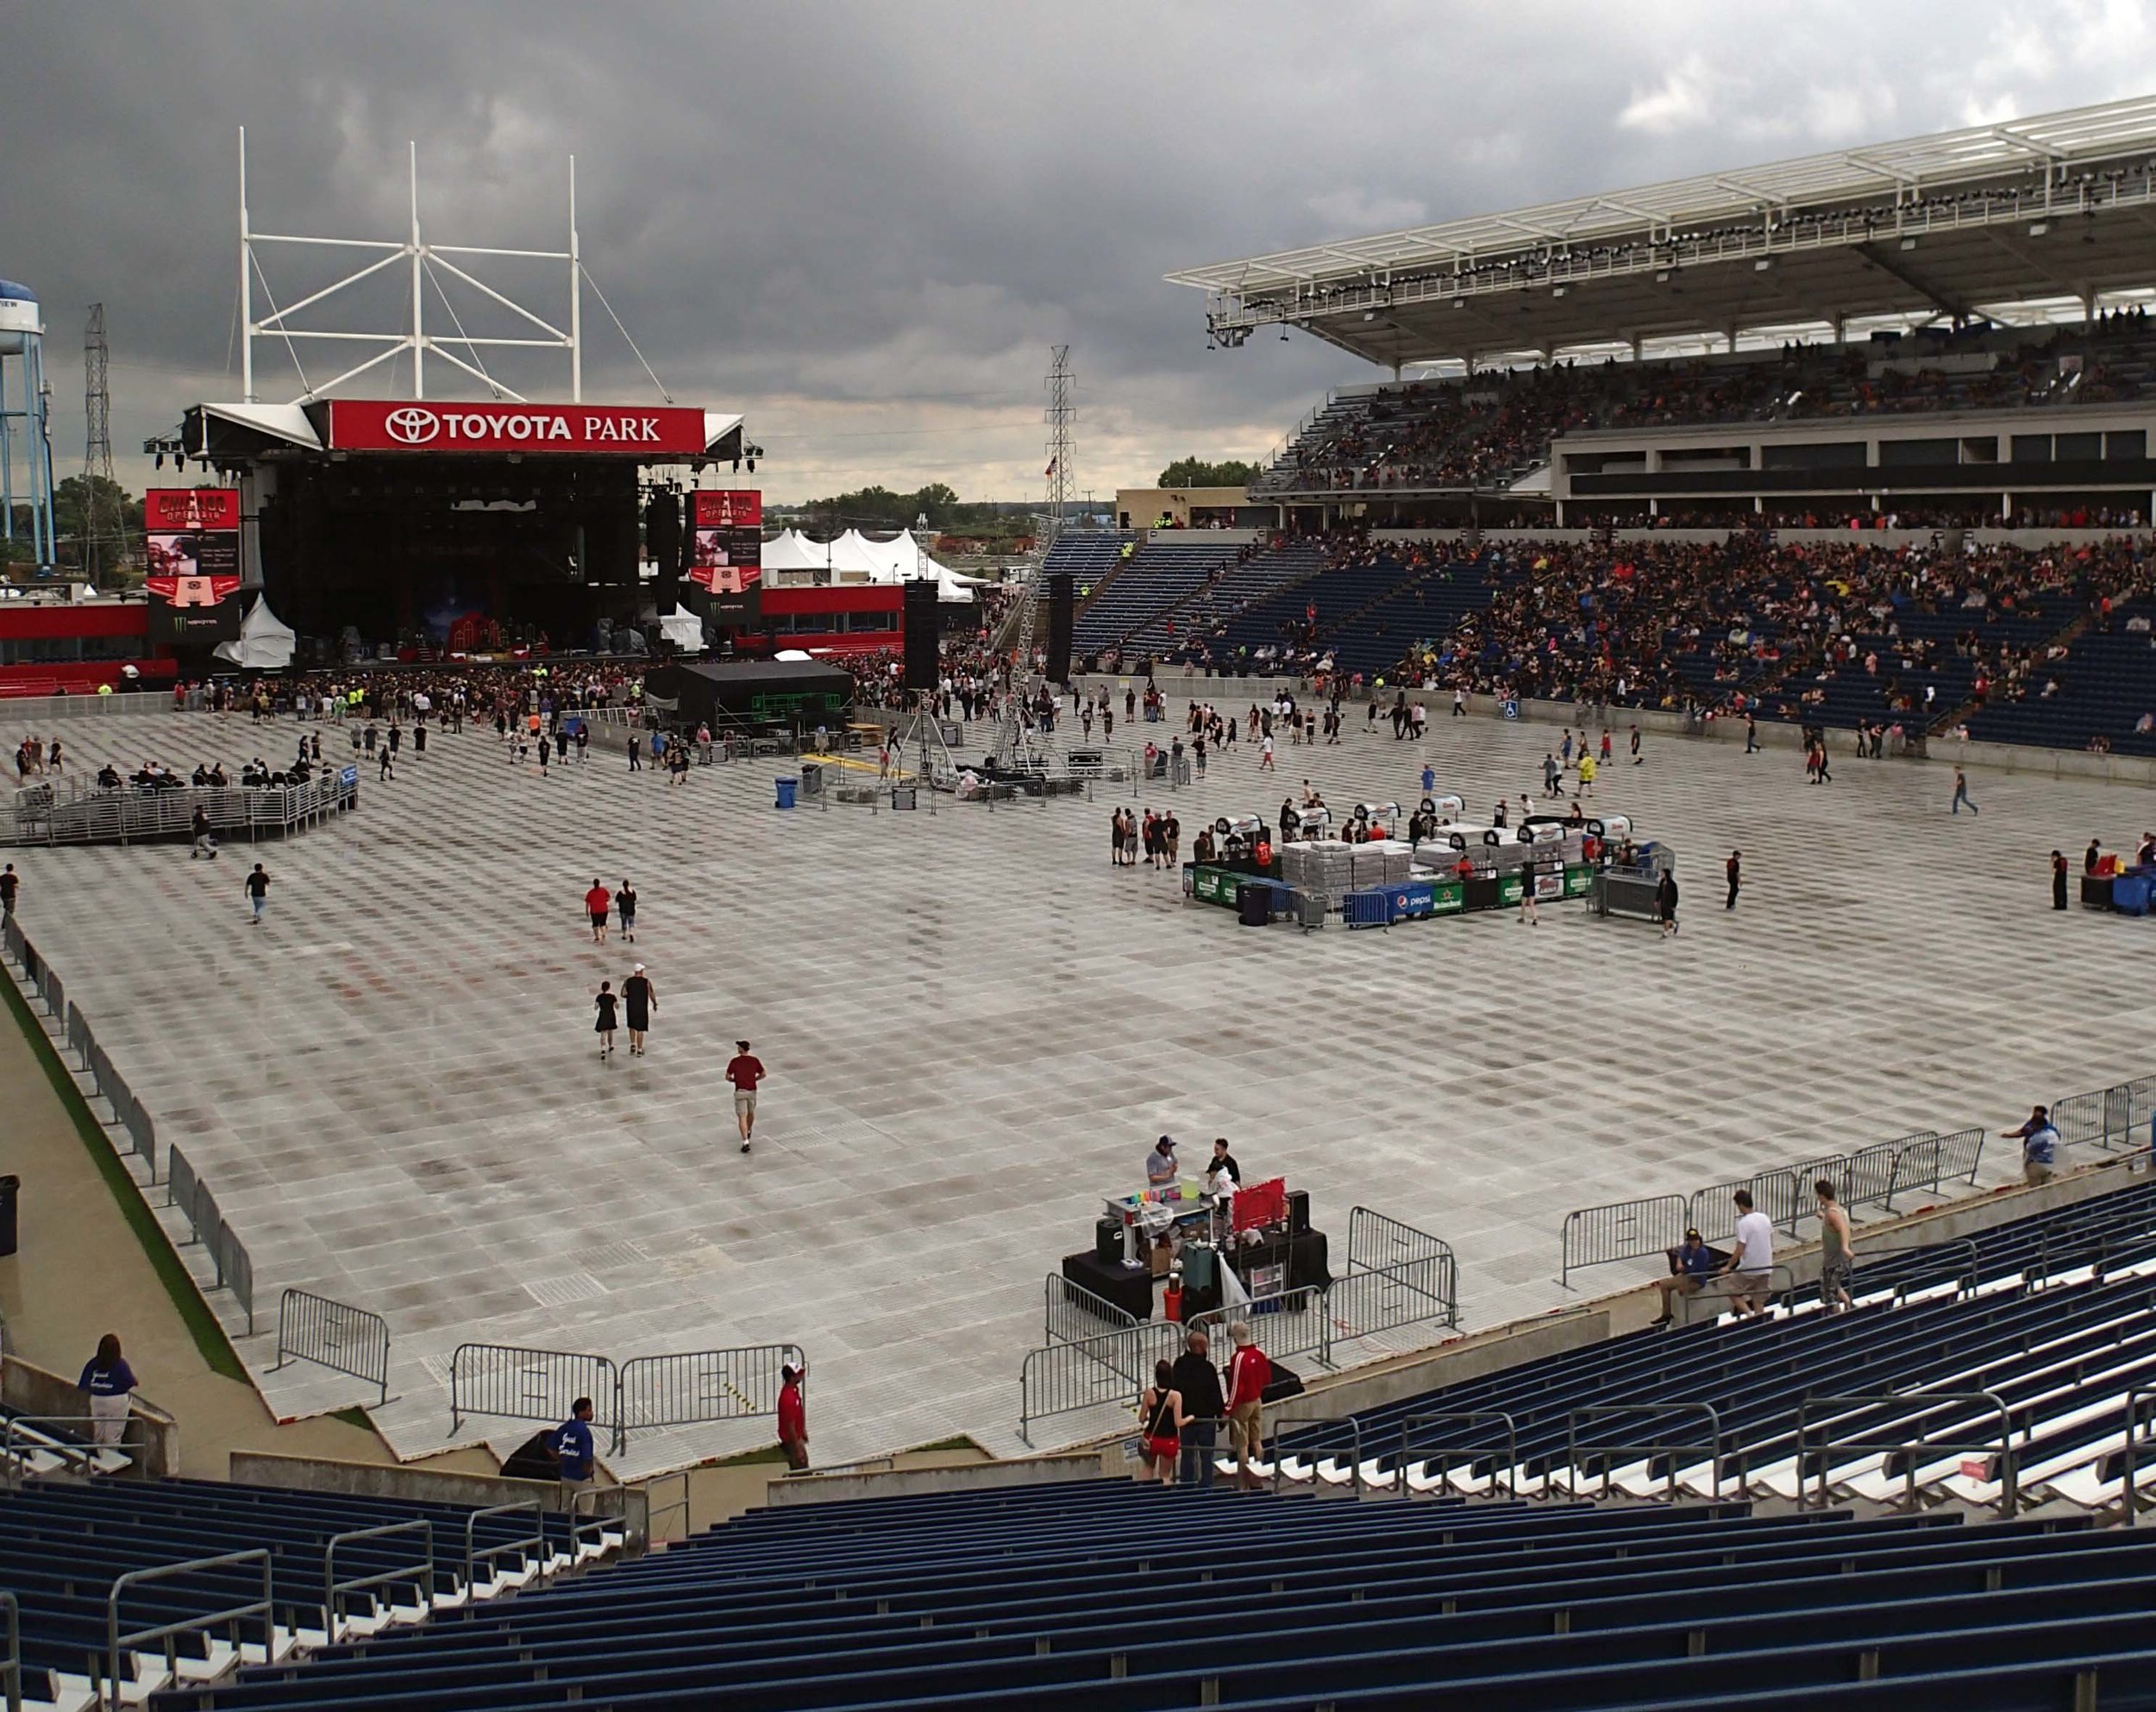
864 225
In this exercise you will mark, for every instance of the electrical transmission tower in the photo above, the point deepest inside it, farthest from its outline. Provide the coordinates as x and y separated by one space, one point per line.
104 545
1059 415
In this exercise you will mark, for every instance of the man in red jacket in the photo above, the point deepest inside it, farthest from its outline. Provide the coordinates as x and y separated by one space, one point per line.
1249 1373
792 1419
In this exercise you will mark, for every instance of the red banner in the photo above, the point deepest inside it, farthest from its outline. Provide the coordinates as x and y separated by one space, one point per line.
193 544
384 425
170 511
726 552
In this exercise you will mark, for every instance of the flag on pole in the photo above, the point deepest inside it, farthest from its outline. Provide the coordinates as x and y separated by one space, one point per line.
1051 470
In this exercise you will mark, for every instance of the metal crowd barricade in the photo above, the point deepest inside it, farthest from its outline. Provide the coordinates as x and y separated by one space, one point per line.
206 1219
335 1335
1927 1161
1112 1367
530 1384
2083 1119
1290 1322
1624 1230
701 1385
1070 1312
1867 1178
236 1271
180 1187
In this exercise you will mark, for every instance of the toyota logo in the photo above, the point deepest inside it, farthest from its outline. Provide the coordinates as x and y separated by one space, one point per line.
412 426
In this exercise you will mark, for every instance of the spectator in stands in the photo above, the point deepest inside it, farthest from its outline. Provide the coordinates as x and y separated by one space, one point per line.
1690 1266
2039 1147
108 1383
1161 1419
1751 1265
1197 1382
1837 1249
573 1453
10 884
792 1418
1250 1372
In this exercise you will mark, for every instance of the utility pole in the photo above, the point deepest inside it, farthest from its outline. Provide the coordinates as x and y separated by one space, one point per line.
104 545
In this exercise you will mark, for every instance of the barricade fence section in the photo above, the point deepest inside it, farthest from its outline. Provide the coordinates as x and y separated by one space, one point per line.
1788 1195
185 1192
684 1388
1071 1312
1111 1368
1290 1323
335 1335
1623 1230
525 1385
2110 1118
701 1386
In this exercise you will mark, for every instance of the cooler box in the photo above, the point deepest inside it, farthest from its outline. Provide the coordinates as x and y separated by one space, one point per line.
1417 900
2130 894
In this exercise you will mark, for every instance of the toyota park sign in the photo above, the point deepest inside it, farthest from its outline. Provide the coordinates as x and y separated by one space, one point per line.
385 425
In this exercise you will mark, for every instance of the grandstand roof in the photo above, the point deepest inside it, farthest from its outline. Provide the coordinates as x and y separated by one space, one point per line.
1956 223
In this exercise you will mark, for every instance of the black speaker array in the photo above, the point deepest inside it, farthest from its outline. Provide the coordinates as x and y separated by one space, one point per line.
921 620
1059 608
663 540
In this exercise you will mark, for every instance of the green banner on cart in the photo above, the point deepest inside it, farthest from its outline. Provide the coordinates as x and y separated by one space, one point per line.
1447 897
1579 880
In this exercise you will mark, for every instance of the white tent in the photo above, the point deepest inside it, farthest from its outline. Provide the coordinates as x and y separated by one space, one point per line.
854 557
684 629
265 642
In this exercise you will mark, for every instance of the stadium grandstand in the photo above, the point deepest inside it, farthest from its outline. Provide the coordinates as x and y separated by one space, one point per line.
1853 444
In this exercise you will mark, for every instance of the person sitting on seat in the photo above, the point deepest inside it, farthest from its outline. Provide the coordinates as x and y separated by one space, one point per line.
107 777
1690 1266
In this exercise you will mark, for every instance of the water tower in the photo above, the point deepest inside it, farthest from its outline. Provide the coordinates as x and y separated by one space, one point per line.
24 431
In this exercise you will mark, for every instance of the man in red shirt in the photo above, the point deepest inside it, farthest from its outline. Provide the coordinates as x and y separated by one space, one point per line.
744 1071
792 1418
1250 1372
597 902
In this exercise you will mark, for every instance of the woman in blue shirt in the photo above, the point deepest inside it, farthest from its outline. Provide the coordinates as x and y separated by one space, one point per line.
108 1383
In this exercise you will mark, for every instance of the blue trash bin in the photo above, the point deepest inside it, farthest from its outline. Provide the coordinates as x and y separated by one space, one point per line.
786 788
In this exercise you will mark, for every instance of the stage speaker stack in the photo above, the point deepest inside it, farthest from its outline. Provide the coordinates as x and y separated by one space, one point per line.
662 540
920 621
1059 596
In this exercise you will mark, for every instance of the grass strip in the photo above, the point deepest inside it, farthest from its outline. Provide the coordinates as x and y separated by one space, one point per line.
210 1341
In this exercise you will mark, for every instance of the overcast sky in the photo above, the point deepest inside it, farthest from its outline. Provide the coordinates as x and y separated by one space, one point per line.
863 225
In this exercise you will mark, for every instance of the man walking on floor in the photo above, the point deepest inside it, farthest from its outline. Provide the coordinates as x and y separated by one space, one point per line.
1961 792
1734 869
745 1071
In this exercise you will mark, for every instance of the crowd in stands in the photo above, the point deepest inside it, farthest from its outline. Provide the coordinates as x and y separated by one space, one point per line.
1479 431
1746 626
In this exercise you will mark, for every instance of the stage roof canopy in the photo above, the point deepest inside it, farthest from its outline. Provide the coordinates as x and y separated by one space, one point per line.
1993 219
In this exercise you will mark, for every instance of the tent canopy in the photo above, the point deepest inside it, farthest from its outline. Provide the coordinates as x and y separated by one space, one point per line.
855 557
265 642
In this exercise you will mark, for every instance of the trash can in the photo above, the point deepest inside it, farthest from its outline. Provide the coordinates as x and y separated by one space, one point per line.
786 788
8 1188
811 779
1254 905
